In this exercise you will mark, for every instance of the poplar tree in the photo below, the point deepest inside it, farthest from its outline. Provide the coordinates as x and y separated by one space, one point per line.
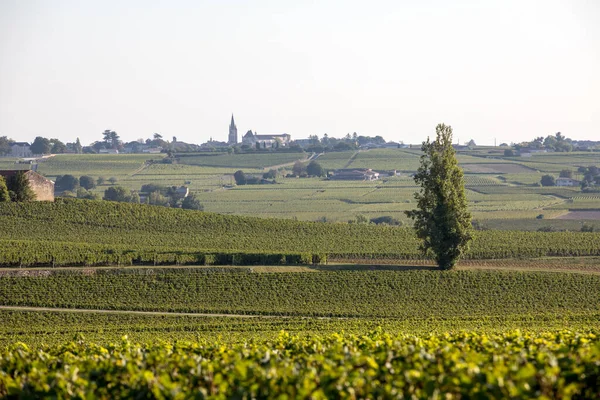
442 219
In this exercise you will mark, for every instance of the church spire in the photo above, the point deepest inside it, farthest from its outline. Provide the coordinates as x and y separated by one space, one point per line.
233 137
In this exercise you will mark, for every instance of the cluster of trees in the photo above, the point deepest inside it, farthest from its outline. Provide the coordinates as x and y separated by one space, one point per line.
16 188
154 194
71 186
591 177
42 145
313 168
348 142
112 140
556 142
383 220
242 179
5 144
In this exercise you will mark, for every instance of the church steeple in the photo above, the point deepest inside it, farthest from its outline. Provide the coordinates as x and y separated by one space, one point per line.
233 138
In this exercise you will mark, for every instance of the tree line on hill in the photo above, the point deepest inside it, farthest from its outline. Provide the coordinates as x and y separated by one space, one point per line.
591 177
300 169
153 194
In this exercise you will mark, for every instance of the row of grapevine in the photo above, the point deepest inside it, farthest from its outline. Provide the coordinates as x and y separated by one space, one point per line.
378 365
410 294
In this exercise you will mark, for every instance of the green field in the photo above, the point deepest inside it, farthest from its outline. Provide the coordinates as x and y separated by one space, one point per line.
309 309
509 195
84 232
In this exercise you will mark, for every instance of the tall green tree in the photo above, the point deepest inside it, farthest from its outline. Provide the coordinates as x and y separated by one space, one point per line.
442 219
5 148
41 145
20 188
4 195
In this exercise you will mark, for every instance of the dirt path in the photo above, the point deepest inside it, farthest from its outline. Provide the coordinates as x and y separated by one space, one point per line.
86 310
140 169
351 159
290 164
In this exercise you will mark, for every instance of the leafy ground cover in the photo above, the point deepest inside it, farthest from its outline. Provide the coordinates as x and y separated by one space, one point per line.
379 364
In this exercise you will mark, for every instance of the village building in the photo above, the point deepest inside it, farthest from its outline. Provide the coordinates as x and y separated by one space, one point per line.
41 186
108 151
20 149
266 141
566 182
355 175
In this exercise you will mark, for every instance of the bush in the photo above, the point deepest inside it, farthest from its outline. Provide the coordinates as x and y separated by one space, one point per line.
87 182
386 220
548 180
240 177
66 182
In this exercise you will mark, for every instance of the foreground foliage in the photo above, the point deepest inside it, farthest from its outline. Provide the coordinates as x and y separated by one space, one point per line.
377 365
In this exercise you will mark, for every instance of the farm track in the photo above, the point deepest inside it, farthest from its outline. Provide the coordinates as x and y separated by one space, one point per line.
290 164
210 315
140 169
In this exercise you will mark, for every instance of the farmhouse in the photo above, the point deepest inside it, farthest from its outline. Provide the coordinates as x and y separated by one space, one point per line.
108 151
42 187
355 175
566 182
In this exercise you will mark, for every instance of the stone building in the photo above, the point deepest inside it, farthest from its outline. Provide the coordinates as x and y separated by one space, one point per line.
41 186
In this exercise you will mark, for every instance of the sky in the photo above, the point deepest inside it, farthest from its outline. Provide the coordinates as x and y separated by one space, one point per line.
496 71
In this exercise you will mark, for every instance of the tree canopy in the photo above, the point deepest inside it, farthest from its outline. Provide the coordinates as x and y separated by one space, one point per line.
442 219
19 188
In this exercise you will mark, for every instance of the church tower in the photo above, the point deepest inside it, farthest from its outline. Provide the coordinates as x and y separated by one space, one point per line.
233 138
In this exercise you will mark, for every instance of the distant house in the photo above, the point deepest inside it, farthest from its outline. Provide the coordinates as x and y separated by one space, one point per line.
41 186
182 191
20 149
566 182
266 141
109 151
152 150
355 175
528 151
304 142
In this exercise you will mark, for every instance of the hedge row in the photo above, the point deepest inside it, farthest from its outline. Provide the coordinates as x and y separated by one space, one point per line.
14 253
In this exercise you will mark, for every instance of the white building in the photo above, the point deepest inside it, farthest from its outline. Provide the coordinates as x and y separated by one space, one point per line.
20 149
266 141
566 182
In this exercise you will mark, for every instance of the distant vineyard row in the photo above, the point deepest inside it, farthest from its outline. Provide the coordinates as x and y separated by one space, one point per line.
96 233
411 294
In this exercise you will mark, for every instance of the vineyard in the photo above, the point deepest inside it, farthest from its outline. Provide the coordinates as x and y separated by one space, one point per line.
376 365
210 177
367 294
78 232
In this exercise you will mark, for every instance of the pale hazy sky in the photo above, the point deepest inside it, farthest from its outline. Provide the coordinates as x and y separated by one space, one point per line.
507 69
